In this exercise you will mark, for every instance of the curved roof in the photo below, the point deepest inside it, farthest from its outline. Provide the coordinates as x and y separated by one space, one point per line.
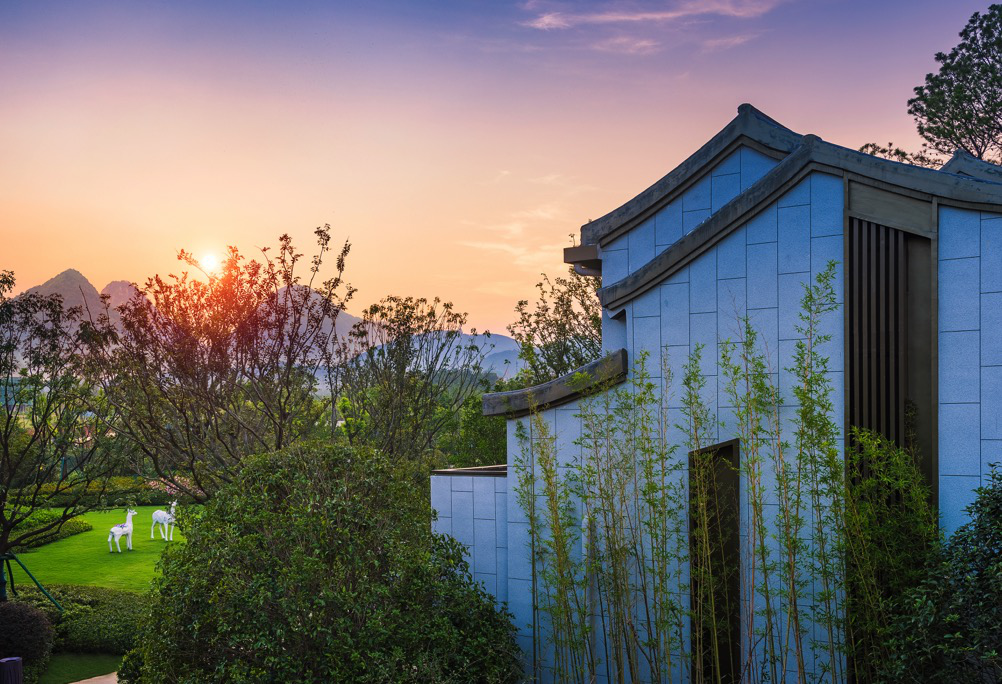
813 154
749 125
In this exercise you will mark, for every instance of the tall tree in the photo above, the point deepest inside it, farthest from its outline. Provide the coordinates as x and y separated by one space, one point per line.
206 371
959 106
53 454
403 373
562 330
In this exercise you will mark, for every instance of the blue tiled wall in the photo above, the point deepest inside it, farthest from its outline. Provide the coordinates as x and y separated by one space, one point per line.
760 269
474 510
970 356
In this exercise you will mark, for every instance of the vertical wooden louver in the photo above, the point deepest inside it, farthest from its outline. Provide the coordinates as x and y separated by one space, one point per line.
876 292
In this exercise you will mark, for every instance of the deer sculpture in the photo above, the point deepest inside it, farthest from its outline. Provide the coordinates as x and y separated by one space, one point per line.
164 520
122 530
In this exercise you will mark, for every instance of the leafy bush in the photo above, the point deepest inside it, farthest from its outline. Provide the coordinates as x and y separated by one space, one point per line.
948 628
25 631
42 518
94 619
318 564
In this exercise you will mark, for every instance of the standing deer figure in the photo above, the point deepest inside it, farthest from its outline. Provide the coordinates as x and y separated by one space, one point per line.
123 530
166 520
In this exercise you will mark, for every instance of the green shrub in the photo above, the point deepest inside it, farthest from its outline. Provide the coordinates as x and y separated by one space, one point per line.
318 564
25 632
94 619
948 629
42 518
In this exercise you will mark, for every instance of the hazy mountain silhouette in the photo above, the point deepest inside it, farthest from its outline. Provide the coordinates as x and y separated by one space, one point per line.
74 289
118 292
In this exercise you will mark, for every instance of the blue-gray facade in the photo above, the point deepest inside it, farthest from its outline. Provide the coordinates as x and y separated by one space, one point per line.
739 229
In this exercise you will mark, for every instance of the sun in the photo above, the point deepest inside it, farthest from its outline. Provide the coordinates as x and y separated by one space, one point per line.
209 263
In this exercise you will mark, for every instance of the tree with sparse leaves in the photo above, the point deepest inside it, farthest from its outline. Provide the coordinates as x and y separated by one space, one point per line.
404 372
54 455
562 331
206 371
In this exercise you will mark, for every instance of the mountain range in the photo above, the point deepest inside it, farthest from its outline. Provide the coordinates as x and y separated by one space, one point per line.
501 351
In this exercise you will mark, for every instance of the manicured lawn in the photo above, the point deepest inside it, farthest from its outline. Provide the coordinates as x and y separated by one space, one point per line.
84 558
72 667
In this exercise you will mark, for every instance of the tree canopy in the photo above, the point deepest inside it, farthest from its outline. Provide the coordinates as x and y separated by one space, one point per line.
960 106
206 371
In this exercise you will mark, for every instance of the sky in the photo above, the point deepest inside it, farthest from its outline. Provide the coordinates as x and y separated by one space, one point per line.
458 145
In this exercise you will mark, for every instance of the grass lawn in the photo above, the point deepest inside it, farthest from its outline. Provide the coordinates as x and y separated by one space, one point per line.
84 558
72 667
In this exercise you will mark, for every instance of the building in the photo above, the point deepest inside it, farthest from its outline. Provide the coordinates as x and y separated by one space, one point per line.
739 228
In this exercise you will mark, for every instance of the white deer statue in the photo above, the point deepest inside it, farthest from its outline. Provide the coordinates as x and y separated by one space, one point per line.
166 520
123 530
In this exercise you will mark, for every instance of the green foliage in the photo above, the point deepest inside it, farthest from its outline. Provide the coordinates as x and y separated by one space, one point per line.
318 564
562 331
27 633
891 539
960 106
476 439
206 370
137 491
947 629
623 507
53 423
405 370
45 518
93 620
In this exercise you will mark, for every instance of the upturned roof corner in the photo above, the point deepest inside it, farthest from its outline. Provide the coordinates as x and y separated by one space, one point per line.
966 164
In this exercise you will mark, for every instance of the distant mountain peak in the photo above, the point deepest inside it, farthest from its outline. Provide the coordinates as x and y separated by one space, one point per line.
73 287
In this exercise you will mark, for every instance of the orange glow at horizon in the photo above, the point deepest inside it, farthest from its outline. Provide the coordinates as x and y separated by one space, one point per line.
457 152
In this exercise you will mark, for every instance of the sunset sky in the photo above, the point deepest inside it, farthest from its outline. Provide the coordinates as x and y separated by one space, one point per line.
457 144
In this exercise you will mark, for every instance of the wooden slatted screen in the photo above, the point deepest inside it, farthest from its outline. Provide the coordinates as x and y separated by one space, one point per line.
876 295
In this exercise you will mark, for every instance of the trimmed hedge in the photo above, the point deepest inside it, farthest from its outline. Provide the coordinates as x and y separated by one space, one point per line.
94 619
40 519
137 491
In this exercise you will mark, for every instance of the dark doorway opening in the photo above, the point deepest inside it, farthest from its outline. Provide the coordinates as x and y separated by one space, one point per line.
714 563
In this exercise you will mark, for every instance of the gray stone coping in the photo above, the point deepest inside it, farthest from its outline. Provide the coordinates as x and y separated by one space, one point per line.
476 471
609 370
